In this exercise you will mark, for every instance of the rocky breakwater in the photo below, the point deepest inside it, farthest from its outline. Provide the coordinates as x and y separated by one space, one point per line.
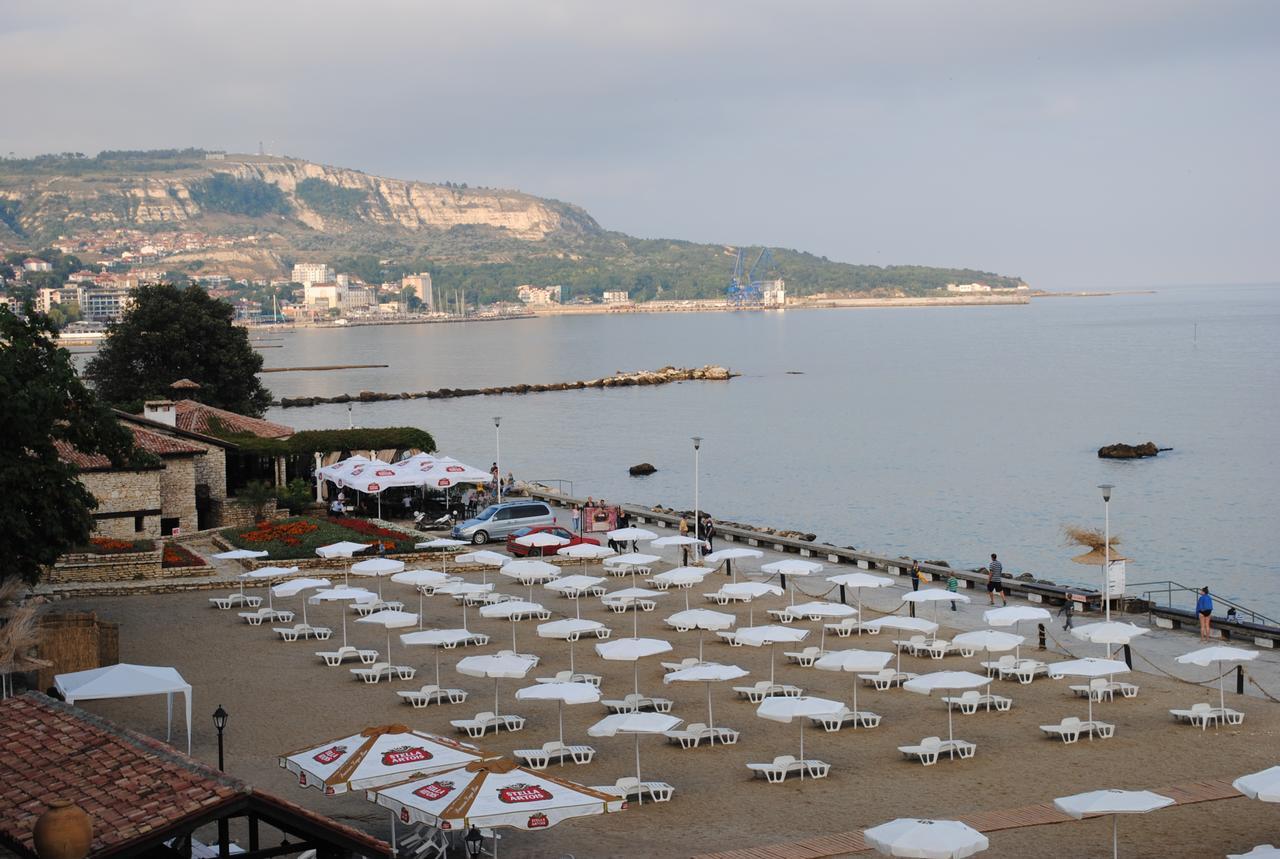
663 376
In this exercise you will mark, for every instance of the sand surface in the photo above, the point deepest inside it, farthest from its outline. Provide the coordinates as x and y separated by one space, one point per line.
281 697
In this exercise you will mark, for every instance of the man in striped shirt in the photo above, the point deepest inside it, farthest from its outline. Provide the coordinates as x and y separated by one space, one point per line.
995 570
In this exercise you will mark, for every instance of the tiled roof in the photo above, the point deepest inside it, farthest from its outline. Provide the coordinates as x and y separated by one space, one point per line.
128 784
197 417
152 442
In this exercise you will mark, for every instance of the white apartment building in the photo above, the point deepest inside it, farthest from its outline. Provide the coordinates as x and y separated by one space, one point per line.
615 298
774 293
968 287
46 298
538 296
421 285
324 295
307 273
105 304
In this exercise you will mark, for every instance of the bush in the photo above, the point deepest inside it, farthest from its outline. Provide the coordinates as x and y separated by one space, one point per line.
257 494
296 496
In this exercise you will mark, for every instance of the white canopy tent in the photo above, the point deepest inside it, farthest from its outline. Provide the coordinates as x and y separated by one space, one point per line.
127 681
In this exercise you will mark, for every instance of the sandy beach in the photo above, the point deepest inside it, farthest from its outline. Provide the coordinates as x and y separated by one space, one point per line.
281 696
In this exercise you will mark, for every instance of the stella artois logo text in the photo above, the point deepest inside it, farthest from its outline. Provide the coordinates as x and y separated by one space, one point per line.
524 793
405 755
538 821
435 790
384 472
373 487
404 814
330 754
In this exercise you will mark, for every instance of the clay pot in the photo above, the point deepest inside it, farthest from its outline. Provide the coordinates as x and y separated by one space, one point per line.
63 832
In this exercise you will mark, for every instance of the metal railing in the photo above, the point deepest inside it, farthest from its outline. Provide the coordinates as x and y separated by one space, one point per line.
1166 588
560 484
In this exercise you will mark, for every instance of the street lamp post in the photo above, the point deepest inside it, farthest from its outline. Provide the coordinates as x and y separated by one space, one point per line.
697 522
224 836
497 456
1106 546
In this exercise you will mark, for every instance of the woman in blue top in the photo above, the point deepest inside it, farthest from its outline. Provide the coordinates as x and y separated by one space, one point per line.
1204 608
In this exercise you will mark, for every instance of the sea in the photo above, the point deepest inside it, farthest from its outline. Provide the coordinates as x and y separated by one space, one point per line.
940 433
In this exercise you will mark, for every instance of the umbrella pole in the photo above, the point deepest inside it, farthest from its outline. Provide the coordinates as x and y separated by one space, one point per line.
1115 837
560 713
635 671
802 766
711 723
639 792
1222 695
513 637
495 696
951 735
437 649
686 598
1091 715
343 609
856 715
858 596
304 611
773 652
571 668
635 619
577 606
419 608
388 648
700 651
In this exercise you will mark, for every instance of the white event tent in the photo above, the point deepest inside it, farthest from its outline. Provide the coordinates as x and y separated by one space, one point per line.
127 681
373 476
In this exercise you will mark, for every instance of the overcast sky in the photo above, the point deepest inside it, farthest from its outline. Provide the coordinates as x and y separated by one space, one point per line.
1075 144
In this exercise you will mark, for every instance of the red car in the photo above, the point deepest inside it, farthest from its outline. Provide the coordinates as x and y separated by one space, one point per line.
521 551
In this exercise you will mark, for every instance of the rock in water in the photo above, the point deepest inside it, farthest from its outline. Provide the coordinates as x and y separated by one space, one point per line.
641 470
1127 451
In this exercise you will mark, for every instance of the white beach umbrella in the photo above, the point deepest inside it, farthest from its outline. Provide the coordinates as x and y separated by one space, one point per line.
630 535
769 635
750 591
542 540
377 568
906 624
574 587
1088 667
632 650
702 619
342 594
635 724
862 661
681 577
821 610
728 556
800 710
375 757
586 552
464 590
240 555
342 549
1114 803
792 567
631 596
1262 851
420 580
631 562
926 839
1217 655
293 587
1012 615
989 641
1110 633
436 639
858 581
946 681
389 619
561 693
441 543
935 596
485 560
530 571
513 611
570 630
495 666
707 672
267 574
1263 785
675 540
492 793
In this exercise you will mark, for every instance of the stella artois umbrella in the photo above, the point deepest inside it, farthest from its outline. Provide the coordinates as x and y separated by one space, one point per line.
374 757
491 793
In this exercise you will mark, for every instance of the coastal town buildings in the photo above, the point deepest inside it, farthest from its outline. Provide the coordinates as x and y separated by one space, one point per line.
307 273
106 304
616 297
538 296
421 285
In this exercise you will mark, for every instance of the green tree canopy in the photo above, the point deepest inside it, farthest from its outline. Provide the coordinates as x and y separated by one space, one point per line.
47 510
171 334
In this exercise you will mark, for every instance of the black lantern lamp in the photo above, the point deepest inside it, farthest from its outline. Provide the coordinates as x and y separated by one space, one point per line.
220 722
474 842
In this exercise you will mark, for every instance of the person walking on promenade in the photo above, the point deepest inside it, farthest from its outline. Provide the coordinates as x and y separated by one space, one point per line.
995 572
684 550
953 585
915 575
577 520
1204 608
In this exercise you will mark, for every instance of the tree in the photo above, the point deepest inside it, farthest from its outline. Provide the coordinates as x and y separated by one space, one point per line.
171 334
48 509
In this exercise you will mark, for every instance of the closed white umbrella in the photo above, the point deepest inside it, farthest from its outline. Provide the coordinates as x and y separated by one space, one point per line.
377 567
1263 785
861 661
926 839
570 630
946 681
574 587
293 587
799 709
1088 667
437 639
858 581
635 724
632 650
495 666
906 624
419 580
530 571
342 594
389 620
1216 656
728 556
769 635
750 591
1112 802
792 567
485 560
702 619
513 611
707 672
561 693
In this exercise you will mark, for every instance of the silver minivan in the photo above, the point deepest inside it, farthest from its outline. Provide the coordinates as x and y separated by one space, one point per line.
498 520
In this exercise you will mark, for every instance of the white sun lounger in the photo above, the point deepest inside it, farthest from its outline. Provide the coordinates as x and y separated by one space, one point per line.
378 670
729 637
480 725
255 618
334 658
1100 688
235 598
836 721
658 791
928 749
805 657
1199 714
571 677
999 666
1024 670
764 689
783 615
885 679
303 630
365 609
722 598
423 697
687 662
694 733
552 752
624 570
844 628
782 766
1070 729
634 703
971 701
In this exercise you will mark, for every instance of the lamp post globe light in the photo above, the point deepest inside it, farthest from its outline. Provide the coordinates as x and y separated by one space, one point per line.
1106 546
220 723
497 454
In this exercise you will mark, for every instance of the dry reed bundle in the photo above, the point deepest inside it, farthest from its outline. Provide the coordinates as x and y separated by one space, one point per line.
1090 538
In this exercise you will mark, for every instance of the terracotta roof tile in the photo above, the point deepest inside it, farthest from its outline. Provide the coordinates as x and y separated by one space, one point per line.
197 417
152 442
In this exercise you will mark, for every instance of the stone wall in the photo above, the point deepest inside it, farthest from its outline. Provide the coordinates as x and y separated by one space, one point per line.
122 496
211 469
124 566
178 491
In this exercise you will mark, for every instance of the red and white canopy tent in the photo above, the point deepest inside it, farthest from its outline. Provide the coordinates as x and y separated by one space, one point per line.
373 476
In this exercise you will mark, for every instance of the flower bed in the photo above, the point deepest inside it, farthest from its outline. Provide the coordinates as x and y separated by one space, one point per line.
299 536
176 556
112 546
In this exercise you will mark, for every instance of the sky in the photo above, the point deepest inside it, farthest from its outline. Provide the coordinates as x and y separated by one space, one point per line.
1078 145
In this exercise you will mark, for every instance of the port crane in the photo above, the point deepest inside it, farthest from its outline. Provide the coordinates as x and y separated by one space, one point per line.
746 289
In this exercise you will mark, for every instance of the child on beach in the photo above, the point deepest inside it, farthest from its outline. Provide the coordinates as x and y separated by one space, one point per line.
953 585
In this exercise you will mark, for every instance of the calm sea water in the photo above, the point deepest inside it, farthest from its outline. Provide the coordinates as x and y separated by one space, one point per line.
945 433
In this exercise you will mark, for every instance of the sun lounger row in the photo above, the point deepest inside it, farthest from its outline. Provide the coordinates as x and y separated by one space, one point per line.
303 630
235 598
333 658
782 766
765 689
483 722
920 645
969 702
886 678
1203 714
928 750
1009 667
633 703
364 609
1102 689
554 752
1070 729
378 670
626 570
658 791
695 732
572 677
430 693
255 618
846 717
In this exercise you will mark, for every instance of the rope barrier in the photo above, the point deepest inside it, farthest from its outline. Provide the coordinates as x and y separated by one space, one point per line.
1258 686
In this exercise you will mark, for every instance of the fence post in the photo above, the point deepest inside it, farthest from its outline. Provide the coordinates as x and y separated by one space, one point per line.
1239 679
842 599
1040 626
1128 657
